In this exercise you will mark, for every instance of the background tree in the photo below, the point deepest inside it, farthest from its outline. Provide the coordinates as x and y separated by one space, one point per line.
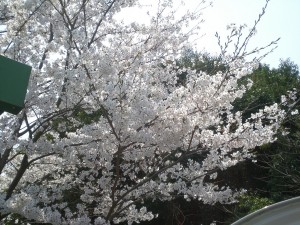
275 176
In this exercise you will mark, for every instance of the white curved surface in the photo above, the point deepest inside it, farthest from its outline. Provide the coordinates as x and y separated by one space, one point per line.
282 213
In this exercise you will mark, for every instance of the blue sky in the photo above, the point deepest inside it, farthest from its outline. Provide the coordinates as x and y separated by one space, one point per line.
282 19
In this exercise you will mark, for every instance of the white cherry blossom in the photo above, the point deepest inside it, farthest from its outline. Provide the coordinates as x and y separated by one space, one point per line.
106 126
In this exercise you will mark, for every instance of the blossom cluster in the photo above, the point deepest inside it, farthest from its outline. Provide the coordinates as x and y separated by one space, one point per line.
142 136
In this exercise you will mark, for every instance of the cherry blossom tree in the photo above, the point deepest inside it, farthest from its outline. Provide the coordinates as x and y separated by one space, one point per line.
152 138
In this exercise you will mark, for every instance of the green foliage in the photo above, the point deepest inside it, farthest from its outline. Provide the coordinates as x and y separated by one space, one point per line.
282 159
252 203
247 204
13 219
201 62
79 118
268 86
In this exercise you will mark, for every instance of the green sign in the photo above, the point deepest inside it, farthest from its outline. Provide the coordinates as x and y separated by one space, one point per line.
14 77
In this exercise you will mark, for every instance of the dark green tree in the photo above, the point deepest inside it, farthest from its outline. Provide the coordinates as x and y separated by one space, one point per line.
275 176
